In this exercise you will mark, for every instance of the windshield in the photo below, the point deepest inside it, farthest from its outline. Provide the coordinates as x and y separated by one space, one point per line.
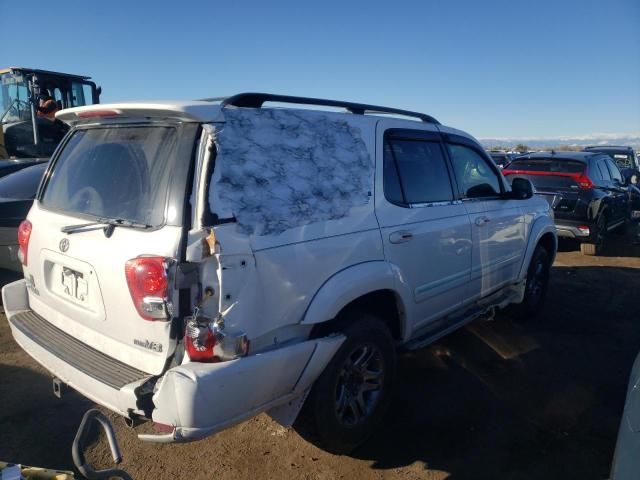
114 172
14 99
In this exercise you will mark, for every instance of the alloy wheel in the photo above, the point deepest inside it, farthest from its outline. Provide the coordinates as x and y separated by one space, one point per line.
359 384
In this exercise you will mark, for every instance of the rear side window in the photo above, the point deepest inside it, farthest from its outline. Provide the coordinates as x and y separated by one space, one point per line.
475 177
415 172
117 172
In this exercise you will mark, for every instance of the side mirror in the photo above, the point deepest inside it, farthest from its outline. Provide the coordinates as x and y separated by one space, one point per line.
521 189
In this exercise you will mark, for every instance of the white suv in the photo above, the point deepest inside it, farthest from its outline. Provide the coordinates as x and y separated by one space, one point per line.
198 263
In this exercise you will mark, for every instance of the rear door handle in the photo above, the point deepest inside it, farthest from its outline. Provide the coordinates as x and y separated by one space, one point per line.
480 221
400 236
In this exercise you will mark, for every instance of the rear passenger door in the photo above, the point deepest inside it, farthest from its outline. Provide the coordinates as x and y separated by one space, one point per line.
497 223
425 230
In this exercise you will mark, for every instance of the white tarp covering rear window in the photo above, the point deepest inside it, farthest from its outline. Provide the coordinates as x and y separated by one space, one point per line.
280 169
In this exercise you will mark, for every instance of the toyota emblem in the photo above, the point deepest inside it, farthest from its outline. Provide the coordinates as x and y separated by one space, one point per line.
64 245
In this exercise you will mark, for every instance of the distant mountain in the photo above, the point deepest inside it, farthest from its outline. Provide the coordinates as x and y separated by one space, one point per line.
631 139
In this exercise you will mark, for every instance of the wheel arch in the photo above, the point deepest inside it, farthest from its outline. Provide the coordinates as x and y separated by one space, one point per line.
543 232
369 287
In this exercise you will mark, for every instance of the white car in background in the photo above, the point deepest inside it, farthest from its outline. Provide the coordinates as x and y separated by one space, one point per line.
198 263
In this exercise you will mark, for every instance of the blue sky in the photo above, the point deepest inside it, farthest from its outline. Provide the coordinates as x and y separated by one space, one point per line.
494 68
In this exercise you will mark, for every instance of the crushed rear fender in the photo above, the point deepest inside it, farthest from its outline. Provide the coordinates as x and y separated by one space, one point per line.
200 399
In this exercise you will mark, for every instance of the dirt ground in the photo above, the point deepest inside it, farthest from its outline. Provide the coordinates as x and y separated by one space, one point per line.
494 400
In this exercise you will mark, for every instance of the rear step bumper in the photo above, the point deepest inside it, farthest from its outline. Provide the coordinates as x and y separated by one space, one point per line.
73 352
51 347
195 399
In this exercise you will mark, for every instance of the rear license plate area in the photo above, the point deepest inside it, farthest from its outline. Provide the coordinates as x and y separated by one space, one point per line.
74 285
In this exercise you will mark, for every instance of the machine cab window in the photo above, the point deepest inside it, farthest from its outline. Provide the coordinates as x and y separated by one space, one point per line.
29 129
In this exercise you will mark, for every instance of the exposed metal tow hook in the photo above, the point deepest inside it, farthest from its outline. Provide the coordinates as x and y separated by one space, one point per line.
77 450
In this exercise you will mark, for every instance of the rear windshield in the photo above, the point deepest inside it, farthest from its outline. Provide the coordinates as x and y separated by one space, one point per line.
547 165
115 172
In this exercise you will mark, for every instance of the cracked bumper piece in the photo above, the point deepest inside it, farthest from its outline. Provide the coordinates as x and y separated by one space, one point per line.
200 399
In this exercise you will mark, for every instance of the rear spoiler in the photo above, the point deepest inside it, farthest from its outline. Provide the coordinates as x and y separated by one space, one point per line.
202 112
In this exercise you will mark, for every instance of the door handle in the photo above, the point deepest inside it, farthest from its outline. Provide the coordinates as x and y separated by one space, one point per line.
400 236
480 221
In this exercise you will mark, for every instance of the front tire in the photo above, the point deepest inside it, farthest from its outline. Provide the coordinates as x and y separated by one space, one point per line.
351 396
536 285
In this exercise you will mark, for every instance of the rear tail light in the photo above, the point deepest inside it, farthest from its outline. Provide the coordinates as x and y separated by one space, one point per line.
584 182
148 286
208 341
24 234
200 341
584 229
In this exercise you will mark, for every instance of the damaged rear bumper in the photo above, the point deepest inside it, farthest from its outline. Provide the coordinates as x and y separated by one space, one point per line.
201 399
194 399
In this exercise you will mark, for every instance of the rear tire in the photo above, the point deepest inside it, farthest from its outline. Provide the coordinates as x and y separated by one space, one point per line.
593 249
536 285
351 396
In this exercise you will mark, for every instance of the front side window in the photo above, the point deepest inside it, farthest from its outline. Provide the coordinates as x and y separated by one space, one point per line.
474 175
114 173
415 172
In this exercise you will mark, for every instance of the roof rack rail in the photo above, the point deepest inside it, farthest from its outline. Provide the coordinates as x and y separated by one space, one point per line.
256 100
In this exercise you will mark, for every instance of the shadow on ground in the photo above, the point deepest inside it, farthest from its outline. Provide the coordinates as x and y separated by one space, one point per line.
521 401
35 427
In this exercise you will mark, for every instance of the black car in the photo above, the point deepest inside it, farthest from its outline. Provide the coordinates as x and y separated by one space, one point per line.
8 167
586 190
625 158
17 192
